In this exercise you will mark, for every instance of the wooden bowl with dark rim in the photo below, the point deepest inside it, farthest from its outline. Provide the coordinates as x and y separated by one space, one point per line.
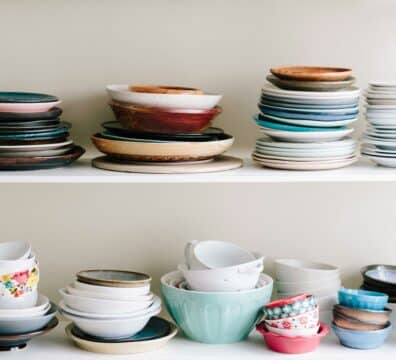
312 73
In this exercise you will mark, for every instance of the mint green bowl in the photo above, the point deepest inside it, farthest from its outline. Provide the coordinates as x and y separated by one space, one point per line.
215 317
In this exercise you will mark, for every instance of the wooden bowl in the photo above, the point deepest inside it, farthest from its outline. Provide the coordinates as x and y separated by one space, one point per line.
312 73
161 89
378 317
352 324
160 120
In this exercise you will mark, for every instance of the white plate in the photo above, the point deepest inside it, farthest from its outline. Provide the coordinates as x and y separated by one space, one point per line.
383 161
384 102
35 147
380 107
291 145
322 124
382 84
175 101
314 110
271 90
264 157
310 136
21 154
382 122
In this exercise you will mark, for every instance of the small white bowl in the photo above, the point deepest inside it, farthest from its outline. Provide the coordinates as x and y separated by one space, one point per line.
322 289
89 315
293 270
234 278
112 328
293 332
288 286
102 306
91 294
168 101
113 291
13 266
40 306
320 292
14 250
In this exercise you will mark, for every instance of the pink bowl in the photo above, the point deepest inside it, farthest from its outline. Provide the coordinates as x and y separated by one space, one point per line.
28 107
292 345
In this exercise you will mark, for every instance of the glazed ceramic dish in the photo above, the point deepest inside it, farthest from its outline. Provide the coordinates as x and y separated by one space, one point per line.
346 322
181 151
38 147
28 107
115 278
290 306
362 299
99 290
15 250
121 347
25 97
122 93
158 120
312 73
51 114
41 306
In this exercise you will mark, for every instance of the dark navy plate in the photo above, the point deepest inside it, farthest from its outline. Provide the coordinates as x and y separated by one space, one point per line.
211 134
25 97
155 328
47 115
47 134
307 116
29 124
36 130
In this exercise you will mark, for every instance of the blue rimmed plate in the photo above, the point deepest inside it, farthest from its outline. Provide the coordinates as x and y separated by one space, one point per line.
25 97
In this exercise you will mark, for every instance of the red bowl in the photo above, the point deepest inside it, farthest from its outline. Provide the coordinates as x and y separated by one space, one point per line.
286 301
292 345
160 120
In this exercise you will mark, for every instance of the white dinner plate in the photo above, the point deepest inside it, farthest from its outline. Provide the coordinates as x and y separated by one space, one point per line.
291 145
352 92
383 161
337 111
299 159
312 123
306 154
35 147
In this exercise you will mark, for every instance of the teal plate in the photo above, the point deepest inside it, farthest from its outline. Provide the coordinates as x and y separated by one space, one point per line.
47 134
278 126
155 328
25 97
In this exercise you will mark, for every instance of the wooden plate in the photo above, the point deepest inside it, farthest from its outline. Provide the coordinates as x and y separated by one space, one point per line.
220 163
312 73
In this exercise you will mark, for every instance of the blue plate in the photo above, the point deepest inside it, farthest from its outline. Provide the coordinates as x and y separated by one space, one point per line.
279 126
25 97
155 328
307 116
304 104
48 134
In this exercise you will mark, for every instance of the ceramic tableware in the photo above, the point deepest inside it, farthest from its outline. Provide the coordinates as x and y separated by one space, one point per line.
382 275
290 306
52 113
380 317
165 89
28 107
312 73
345 322
170 101
112 291
41 306
114 278
37 147
25 97
215 317
362 299
305 320
14 250
292 332
307 286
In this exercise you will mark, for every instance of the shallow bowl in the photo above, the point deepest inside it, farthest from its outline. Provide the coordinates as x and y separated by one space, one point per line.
346 322
28 107
113 278
362 299
308 286
379 317
116 292
289 306
293 332
40 307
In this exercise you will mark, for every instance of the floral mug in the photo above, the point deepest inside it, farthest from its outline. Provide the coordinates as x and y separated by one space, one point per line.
20 283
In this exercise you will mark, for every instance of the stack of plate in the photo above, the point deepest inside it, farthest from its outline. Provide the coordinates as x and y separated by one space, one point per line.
307 130
379 141
31 133
163 130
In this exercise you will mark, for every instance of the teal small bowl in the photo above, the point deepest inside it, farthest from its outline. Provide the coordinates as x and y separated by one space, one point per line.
215 317
362 299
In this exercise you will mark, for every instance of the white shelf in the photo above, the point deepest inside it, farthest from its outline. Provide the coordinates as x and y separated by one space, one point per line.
82 172
55 345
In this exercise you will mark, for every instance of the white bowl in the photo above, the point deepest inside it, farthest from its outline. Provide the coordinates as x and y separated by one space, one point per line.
89 315
112 328
102 306
14 250
113 291
322 292
173 101
323 287
293 332
234 278
40 306
326 303
213 254
91 294
13 266
293 270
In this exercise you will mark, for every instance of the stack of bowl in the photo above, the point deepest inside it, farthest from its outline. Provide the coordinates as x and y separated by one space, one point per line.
31 133
114 312
163 130
304 117
24 313
381 278
217 295
295 277
291 325
361 320
379 140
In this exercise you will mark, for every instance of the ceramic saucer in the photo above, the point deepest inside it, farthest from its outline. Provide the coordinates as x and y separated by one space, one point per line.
36 116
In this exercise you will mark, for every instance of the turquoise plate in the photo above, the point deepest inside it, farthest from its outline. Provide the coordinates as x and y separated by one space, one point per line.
48 134
279 126
25 97
155 328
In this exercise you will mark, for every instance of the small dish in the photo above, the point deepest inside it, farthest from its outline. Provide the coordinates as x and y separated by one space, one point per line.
362 339
52 113
362 299
384 275
306 320
380 317
312 73
40 307
114 278
289 306
292 345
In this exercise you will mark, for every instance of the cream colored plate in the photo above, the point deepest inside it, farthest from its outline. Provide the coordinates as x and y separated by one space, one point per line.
220 163
124 348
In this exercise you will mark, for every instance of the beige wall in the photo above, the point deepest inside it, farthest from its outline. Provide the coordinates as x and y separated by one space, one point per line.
74 48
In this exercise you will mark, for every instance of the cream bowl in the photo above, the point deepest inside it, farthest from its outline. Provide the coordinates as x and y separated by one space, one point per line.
13 266
320 292
26 300
102 306
40 308
14 250
144 289
168 101
307 286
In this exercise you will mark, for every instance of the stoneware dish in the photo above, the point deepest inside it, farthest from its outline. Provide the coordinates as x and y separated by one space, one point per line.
121 347
53 113
28 107
27 324
383 275
114 278
362 299
305 320
38 147
293 332
293 270
41 306
103 306
289 306
312 73
165 89
14 250
380 317
158 120
292 345
308 286
19 341
25 97
319 292
122 93
116 292
8 267
215 317
175 151
362 339
211 254
345 322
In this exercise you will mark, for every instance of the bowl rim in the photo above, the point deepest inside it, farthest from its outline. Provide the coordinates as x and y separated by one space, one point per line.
367 268
287 300
366 294
52 324
328 267
336 328
385 311
112 283
323 331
